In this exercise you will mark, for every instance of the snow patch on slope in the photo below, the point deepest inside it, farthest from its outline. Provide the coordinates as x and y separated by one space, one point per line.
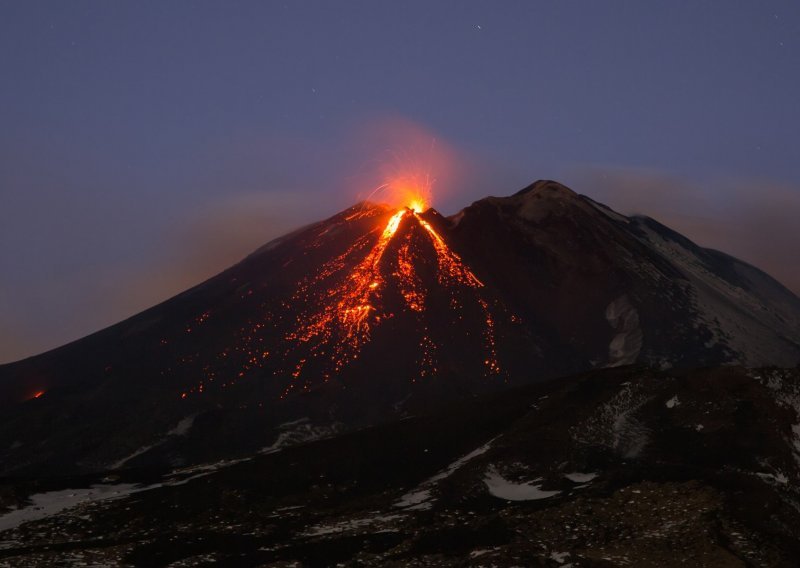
300 432
416 500
183 427
626 345
420 498
180 429
578 477
51 503
614 423
750 326
786 391
364 525
505 489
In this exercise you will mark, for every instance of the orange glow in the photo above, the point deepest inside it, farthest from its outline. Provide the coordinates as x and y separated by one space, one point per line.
345 321
38 394
450 265
342 319
404 162
408 190
453 270
411 190
410 286
417 205
336 308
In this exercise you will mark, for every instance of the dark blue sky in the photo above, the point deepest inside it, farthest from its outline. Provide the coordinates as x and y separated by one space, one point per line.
145 146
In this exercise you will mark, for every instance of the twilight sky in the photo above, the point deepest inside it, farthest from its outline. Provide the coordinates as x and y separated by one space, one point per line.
146 146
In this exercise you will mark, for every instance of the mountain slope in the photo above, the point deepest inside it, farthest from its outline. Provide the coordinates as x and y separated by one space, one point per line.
585 270
616 467
380 313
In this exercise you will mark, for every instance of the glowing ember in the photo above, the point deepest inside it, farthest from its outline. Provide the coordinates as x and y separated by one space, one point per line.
407 279
408 189
350 313
451 268
324 325
38 394
340 328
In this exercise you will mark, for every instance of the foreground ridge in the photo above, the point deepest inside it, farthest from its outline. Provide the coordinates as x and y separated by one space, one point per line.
616 467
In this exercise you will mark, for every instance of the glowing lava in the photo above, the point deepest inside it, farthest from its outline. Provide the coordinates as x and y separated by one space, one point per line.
401 268
417 205
349 314
409 190
339 327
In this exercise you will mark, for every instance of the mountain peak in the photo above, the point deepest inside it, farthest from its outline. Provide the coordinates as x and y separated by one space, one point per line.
544 187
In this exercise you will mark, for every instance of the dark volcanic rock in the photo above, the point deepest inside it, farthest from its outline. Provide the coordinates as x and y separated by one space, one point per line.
621 467
376 314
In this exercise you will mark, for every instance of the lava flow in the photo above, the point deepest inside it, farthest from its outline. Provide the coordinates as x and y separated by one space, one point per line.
391 267
349 311
343 315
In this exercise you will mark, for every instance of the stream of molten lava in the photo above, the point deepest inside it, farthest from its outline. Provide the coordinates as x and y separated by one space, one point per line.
341 303
322 324
342 323
355 305
349 313
451 267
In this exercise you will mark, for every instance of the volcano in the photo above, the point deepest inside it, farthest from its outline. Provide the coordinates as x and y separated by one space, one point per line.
384 312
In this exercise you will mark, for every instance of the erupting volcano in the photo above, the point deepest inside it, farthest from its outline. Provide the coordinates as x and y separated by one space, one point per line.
390 310
339 317
396 272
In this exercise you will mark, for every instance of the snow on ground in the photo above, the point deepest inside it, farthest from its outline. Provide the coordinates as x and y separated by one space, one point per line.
787 394
194 471
180 429
137 453
559 557
450 469
778 478
504 489
738 319
372 524
419 498
614 423
580 477
51 503
183 427
673 402
299 432
627 343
